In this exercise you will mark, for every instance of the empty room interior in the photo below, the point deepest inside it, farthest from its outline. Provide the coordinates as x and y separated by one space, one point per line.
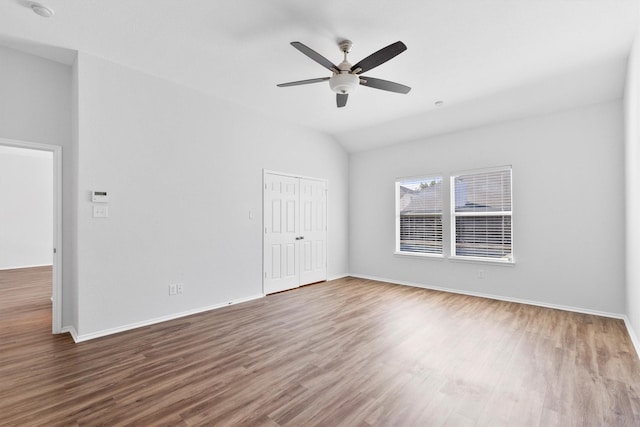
338 213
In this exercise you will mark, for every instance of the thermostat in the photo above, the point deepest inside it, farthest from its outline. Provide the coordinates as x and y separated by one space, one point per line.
99 197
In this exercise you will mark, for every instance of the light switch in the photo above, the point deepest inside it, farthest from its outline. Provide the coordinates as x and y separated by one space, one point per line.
100 211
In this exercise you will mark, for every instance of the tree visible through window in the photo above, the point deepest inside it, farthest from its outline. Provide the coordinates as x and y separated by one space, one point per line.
419 215
481 214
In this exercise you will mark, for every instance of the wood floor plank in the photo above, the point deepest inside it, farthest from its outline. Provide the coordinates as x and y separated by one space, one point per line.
349 352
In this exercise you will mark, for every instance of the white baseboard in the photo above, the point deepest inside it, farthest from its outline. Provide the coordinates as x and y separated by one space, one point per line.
18 267
93 335
71 331
498 297
632 335
340 276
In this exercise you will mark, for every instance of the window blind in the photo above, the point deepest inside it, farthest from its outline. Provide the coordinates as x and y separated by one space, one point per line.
481 214
419 215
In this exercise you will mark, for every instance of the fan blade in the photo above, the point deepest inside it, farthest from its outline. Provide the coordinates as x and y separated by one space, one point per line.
315 56
304 82
379 57
341 99
384 85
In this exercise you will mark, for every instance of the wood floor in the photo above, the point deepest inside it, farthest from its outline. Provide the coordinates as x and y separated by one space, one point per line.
349 352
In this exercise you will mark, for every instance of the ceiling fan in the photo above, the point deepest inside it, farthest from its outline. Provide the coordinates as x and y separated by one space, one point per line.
346 77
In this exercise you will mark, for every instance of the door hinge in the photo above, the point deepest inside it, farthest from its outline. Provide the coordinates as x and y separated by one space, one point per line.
55 251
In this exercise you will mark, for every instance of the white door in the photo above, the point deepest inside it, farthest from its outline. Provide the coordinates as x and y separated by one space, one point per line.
313 231
295 232
281 227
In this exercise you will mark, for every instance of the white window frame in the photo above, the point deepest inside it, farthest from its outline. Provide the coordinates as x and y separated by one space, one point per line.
425 178
453 236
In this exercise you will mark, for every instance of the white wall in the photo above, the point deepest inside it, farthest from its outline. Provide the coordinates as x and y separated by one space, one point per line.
632 180
183 170
568 183
35 106
26 211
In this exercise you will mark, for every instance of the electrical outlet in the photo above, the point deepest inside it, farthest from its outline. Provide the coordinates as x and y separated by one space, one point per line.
173 289
480 274
180 288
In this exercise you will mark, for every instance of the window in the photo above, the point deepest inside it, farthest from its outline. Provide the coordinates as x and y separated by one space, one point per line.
481 215
419 216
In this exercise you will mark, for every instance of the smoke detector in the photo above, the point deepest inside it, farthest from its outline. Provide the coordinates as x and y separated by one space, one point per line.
41 10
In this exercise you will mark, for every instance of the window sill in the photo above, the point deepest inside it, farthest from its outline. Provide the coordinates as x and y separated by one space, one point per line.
479 260
418 255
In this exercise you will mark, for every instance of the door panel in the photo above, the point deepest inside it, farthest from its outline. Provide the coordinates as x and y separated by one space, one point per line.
276 215
306 255
291 216
276 262
319 254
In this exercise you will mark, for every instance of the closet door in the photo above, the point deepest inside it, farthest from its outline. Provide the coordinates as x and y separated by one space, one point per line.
295 227
281 227
313 231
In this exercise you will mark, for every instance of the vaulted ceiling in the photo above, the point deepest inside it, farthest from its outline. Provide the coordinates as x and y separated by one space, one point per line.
487 60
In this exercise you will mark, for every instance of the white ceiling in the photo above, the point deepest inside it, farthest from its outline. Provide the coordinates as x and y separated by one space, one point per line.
488 60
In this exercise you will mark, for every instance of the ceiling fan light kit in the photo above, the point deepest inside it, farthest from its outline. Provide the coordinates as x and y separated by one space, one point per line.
347 77
344 83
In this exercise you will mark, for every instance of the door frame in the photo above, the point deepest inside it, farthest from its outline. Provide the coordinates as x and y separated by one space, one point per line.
56 287
265 172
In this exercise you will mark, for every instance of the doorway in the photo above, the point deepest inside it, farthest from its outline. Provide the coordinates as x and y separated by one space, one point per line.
53 155
295 231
